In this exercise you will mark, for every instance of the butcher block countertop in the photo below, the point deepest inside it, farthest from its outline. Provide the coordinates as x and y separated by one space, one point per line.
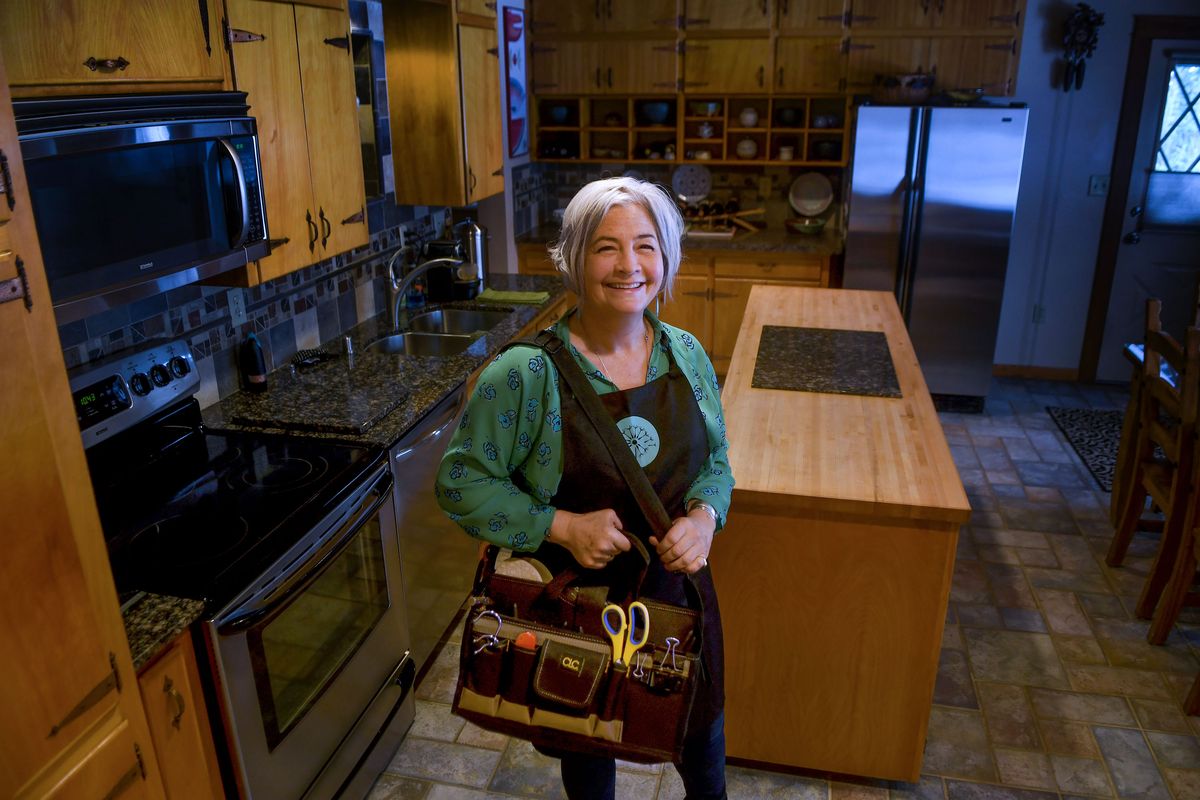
835 564
805 451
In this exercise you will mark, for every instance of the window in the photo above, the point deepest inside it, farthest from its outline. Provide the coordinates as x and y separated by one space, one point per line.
1173 190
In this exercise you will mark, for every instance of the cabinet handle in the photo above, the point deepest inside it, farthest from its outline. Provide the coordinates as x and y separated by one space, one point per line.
1011 46
313 231
610 77
471 181
175 699
18 289
1007 19
6 176
203 7
941 6
106 64
341 42
779 78
767 265
761 74
326 229
355 218
610 9
763 5
844 19
596 10
690 21
783 8
867 18
597 77
273 243
852 46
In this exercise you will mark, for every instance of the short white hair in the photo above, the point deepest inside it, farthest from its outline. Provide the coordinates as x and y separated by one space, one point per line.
592 203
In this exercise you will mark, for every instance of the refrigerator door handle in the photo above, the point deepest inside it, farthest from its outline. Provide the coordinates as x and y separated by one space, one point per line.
910 225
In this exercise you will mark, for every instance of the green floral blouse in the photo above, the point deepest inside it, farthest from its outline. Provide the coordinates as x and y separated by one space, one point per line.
504 462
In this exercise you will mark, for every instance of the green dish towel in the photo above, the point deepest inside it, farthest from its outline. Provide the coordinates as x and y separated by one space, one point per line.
498 296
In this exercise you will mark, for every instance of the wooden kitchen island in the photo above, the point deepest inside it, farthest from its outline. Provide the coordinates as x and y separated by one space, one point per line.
834 567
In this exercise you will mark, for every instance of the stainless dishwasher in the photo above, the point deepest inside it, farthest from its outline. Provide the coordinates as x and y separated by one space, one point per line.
437 558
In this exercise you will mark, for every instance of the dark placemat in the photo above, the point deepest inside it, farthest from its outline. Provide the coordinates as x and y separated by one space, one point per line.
825 360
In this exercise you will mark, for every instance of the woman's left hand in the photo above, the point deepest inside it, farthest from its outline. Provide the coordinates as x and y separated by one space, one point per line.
686 545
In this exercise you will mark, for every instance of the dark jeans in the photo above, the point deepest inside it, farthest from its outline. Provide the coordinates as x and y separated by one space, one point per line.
702 770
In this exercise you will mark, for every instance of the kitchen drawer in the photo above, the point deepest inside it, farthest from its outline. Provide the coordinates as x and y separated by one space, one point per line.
767 266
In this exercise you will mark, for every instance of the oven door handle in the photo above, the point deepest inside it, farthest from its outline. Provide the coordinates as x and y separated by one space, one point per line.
243 194
248 616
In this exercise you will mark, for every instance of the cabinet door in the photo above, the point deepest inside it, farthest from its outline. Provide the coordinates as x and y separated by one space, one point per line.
965 62
730 296
627 16
481 112
871 56
812 16
567 68
69 721
171 694
484 8
640 67
726 15
726 65
268 71
50 43
552 17
331 121
978 15
809 64
689 307
890 14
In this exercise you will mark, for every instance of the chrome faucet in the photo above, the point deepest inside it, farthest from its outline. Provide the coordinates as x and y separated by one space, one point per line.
400 286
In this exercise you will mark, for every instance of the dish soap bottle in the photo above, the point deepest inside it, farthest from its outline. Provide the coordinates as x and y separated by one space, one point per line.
253 364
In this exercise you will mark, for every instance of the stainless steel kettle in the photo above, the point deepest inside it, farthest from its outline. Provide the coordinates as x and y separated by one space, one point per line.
468 279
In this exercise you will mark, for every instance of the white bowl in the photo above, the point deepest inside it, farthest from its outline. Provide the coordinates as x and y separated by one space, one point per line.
810 194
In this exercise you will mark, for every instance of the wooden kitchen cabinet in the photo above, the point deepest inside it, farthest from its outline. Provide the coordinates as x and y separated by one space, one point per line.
294 63
988 62
73 724
610 67
812 16
732 66
484 8
978 14
870 15
723 15
809 64
884 55
555 18
689 306
446 125
57 47
172 696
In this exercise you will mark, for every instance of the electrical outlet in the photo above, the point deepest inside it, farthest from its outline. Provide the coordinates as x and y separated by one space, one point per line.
1098 186
237 307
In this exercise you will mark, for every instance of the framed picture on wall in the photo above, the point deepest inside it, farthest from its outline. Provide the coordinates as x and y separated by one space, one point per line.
515 77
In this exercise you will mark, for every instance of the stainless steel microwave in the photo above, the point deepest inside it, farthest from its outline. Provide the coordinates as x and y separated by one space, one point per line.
136 195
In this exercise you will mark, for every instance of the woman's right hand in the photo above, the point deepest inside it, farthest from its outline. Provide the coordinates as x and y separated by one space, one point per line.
594 538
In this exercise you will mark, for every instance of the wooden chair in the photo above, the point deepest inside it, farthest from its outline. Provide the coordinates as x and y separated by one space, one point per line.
1178 591
1167 420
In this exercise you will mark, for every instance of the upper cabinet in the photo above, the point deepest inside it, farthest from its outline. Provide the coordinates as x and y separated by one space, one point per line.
609 67
59 47
727 65
947 16
73 723
484 8
444 100
722 15
294 62
812 16
556 17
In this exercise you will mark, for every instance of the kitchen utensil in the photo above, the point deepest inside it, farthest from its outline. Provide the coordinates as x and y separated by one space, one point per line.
805 225
624 636
747 148
748 117
810 194
692 182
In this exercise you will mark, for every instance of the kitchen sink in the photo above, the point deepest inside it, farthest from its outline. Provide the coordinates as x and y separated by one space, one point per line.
422 344
457 320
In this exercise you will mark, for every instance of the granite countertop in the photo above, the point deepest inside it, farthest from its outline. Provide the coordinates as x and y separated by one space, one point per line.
769 240
391 392
153 621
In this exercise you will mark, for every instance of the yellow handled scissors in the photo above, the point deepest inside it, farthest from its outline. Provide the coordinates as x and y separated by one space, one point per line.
625 635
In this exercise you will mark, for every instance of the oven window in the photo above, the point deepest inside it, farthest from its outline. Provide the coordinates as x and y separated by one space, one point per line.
297 654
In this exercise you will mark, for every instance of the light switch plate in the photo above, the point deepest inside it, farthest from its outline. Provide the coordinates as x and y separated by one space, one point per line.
237 307
1098 186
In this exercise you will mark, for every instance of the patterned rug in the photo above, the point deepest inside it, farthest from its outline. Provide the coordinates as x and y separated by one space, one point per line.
1095 436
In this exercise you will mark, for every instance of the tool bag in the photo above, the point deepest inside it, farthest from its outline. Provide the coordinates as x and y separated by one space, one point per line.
560 688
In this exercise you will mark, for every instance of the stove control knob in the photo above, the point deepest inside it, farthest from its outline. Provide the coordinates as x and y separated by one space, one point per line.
179 366
160 375
140 383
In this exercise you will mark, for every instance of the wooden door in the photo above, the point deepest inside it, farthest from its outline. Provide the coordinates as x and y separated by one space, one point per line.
809 64
554 17
726 65
730 296
171 694
955 15
484 8
871 56
812 16
626 16
49 44
68 707
481 112
268 70
727 15
689 307
890 14
966 62
640 67
331 120
567 68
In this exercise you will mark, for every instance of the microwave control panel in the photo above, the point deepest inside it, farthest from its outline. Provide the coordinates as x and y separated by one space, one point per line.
247 153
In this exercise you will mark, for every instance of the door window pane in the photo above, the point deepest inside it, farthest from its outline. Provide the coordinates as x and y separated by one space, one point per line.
1173 190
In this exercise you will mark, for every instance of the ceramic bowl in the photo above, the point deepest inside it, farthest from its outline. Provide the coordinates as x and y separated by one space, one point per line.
558 114
656 112
808 226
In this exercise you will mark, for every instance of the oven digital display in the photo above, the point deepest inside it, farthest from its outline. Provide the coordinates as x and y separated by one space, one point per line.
101 400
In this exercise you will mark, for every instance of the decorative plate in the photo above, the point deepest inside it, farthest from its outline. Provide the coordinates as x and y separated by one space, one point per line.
692 183
810 194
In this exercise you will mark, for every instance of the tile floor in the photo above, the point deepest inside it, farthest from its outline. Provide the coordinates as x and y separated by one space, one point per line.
1046 686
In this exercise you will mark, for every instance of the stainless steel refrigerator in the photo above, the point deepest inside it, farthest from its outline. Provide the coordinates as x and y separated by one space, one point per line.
932 194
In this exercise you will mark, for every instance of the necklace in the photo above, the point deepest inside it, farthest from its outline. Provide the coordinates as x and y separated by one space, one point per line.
645 342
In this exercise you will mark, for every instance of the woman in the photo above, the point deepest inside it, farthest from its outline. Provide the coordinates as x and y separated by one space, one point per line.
527 471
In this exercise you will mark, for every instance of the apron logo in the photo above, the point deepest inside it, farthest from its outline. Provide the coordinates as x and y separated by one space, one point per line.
642 438
573 664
